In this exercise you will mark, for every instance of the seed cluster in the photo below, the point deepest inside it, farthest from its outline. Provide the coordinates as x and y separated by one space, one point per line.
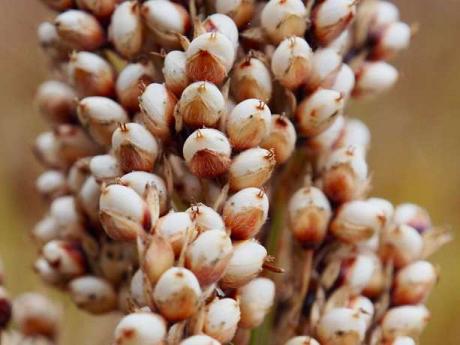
35 317
178 128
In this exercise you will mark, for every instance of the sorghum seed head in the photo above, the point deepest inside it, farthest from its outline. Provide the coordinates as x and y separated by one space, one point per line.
137 289
88 199
104 168
141 328
174 227
210 57
376 284
51 184
372 244
341 326
64 211
251 168
56 101
414 216
364 307
129 81
74 143
199 340
344 81
248 124
99 8
123 213
177 294
135 147
245 213
291 62
159 257
357 221
281 19
208 256
206 218
47 34
222 23
241 11
116 260
344 177
356 271
245 263
93 294
331 17
256 298
326 141
174 71
78 173
201 104
51 43
35 315
221 320
402 244
45 230
47 273
157 105
409 320
79 30
309 214
251 78
138 180
90 75
317 112
207 152
355 133
46 149
101 116
164 19
302 340
326 63
342 43
373 78
66 257
386 208
281 139
372 16
391 39
413 283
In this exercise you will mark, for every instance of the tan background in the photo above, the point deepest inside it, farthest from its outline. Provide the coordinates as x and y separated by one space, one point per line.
414 155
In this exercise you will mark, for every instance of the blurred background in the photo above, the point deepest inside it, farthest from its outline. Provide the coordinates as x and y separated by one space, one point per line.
415 153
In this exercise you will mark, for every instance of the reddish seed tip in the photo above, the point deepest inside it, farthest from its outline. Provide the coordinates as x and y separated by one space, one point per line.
246 62
128 333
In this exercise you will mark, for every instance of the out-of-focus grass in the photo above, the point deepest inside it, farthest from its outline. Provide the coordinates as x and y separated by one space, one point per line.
414 154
